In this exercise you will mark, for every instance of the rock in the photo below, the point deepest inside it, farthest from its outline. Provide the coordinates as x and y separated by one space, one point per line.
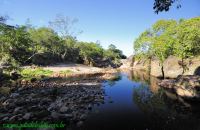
13 118
14 95
55 115
5 118
167 83
64 109
5 103
187 86
20 89
17 110
80 123
42 114
68 115
172 67
27 116
83 117
89 106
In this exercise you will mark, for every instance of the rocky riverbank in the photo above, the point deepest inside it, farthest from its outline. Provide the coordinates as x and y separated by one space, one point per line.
53 99
172 66
187 86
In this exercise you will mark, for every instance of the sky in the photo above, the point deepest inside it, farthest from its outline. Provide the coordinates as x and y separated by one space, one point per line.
117 22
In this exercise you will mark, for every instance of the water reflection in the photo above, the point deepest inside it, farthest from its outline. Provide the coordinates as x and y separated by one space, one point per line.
163 108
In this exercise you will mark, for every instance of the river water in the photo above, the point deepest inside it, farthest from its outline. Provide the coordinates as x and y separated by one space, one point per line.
135 101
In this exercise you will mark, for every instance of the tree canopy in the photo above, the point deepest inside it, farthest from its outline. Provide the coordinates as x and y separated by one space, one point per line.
169 37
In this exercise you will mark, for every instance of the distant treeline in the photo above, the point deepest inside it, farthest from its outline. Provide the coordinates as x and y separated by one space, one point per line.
170 37
22 45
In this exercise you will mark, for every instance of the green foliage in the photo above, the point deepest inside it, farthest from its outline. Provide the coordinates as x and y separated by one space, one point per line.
188 38
14 46
169 37
113 53
90 51
38 72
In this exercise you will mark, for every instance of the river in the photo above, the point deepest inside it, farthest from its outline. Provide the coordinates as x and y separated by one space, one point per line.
135 101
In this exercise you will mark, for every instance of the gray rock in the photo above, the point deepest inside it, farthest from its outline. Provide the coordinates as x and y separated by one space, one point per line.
18 110
27 116
14 95
83 116
20 89
89 106
55 115
68 115
5 118
13 118
64 109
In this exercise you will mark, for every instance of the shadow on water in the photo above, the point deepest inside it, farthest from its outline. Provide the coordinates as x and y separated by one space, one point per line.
139 103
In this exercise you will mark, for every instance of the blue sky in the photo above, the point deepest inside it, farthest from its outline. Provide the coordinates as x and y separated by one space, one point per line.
110 21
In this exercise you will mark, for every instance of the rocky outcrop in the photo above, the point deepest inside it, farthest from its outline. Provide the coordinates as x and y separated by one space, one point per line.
172 66
141 64
187 86
105 62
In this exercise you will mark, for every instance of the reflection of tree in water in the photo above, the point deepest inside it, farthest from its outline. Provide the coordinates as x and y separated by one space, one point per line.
161 111
138 76
118 77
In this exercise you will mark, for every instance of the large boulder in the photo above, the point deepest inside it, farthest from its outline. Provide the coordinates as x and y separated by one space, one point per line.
186 86
172 66
142 64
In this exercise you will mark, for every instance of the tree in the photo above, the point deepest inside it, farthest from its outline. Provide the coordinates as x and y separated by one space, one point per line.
114 52
63 25
90 52
15 43
164 5
157 41
188 39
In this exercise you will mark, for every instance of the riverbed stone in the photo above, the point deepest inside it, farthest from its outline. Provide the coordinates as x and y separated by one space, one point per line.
187 86
64 109
27 116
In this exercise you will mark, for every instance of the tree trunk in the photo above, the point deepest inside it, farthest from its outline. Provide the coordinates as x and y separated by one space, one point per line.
149 67
163 73
183 66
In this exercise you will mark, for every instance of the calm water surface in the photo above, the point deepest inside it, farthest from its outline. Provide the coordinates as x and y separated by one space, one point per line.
135 101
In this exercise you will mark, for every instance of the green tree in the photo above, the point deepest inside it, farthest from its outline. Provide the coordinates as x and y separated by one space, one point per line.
188 40
90 52
157 41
